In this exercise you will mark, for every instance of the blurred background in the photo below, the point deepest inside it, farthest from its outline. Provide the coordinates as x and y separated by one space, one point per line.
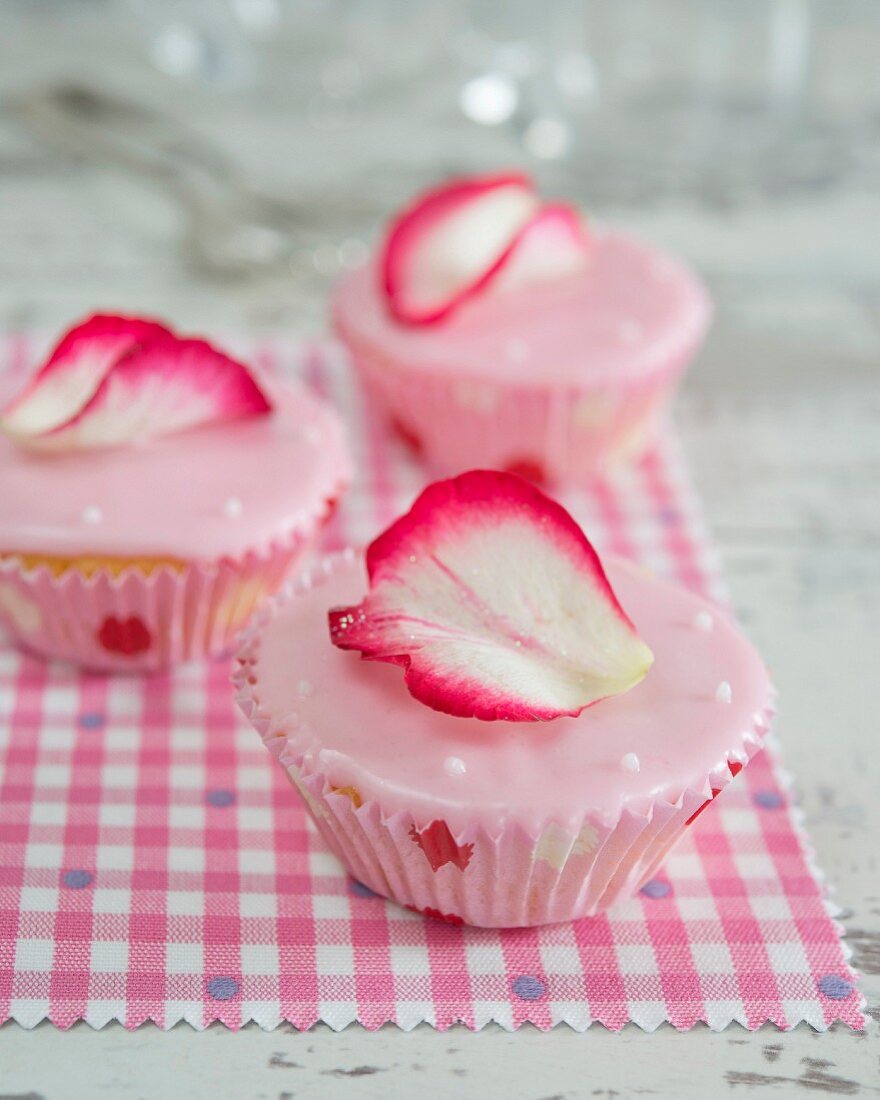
244 151
218 162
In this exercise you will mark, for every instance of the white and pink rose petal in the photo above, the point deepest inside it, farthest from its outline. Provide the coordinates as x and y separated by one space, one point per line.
166 386
495 603
118 380
445 246
74 370
475 236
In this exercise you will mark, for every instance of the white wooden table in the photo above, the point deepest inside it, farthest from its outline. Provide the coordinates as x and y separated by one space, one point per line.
781 421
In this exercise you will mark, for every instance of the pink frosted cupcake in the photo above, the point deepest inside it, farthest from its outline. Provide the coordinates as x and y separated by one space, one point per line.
495 331
153 493
529 734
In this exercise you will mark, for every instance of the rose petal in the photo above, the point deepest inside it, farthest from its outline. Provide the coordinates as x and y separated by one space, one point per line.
161 387
475 236
495 603
450 242
74 370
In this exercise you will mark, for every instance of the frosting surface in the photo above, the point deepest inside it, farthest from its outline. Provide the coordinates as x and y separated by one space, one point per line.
628 312
215 491
355 722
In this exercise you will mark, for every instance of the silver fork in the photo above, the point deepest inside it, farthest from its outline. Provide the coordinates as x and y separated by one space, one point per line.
232 230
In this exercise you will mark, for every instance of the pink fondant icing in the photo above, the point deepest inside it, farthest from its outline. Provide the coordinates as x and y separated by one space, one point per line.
355 724
217 491
630 312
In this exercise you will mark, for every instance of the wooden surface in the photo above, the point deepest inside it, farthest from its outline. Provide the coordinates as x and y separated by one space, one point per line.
781 422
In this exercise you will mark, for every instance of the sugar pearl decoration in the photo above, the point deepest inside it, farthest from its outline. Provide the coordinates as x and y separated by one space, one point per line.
630 762
629 331
661 269
92 515
454 765
517 350
312 435
723 693
304 689
703 621
233 508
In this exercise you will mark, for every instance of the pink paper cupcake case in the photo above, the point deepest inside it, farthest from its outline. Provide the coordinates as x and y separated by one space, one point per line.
512 878
555 433
139 622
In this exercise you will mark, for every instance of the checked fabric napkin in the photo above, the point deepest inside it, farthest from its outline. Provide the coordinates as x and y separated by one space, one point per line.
156 865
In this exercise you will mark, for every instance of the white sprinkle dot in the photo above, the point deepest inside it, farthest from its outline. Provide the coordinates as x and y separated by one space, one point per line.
703 621
662 269
629 331
312 434
454 765
92 515
517 350
630 762
304 689
723 693
233 507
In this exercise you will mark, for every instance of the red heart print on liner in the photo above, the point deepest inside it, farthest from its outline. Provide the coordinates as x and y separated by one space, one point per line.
528 468
438 844
408 437
449 918
128 637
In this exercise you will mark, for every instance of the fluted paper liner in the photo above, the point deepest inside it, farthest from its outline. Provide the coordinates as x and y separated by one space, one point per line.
509 877
138 621
564 432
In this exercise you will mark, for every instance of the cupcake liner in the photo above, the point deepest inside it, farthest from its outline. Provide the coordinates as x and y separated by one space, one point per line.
553 433
512 877
137 621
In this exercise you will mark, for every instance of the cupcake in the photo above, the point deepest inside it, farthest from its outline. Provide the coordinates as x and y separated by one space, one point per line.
498 331
153 493
530 730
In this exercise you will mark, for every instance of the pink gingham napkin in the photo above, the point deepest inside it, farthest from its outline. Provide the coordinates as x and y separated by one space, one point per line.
156 865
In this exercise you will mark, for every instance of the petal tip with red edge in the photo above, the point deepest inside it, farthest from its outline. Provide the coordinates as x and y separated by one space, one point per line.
496 605
74 370
445 246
